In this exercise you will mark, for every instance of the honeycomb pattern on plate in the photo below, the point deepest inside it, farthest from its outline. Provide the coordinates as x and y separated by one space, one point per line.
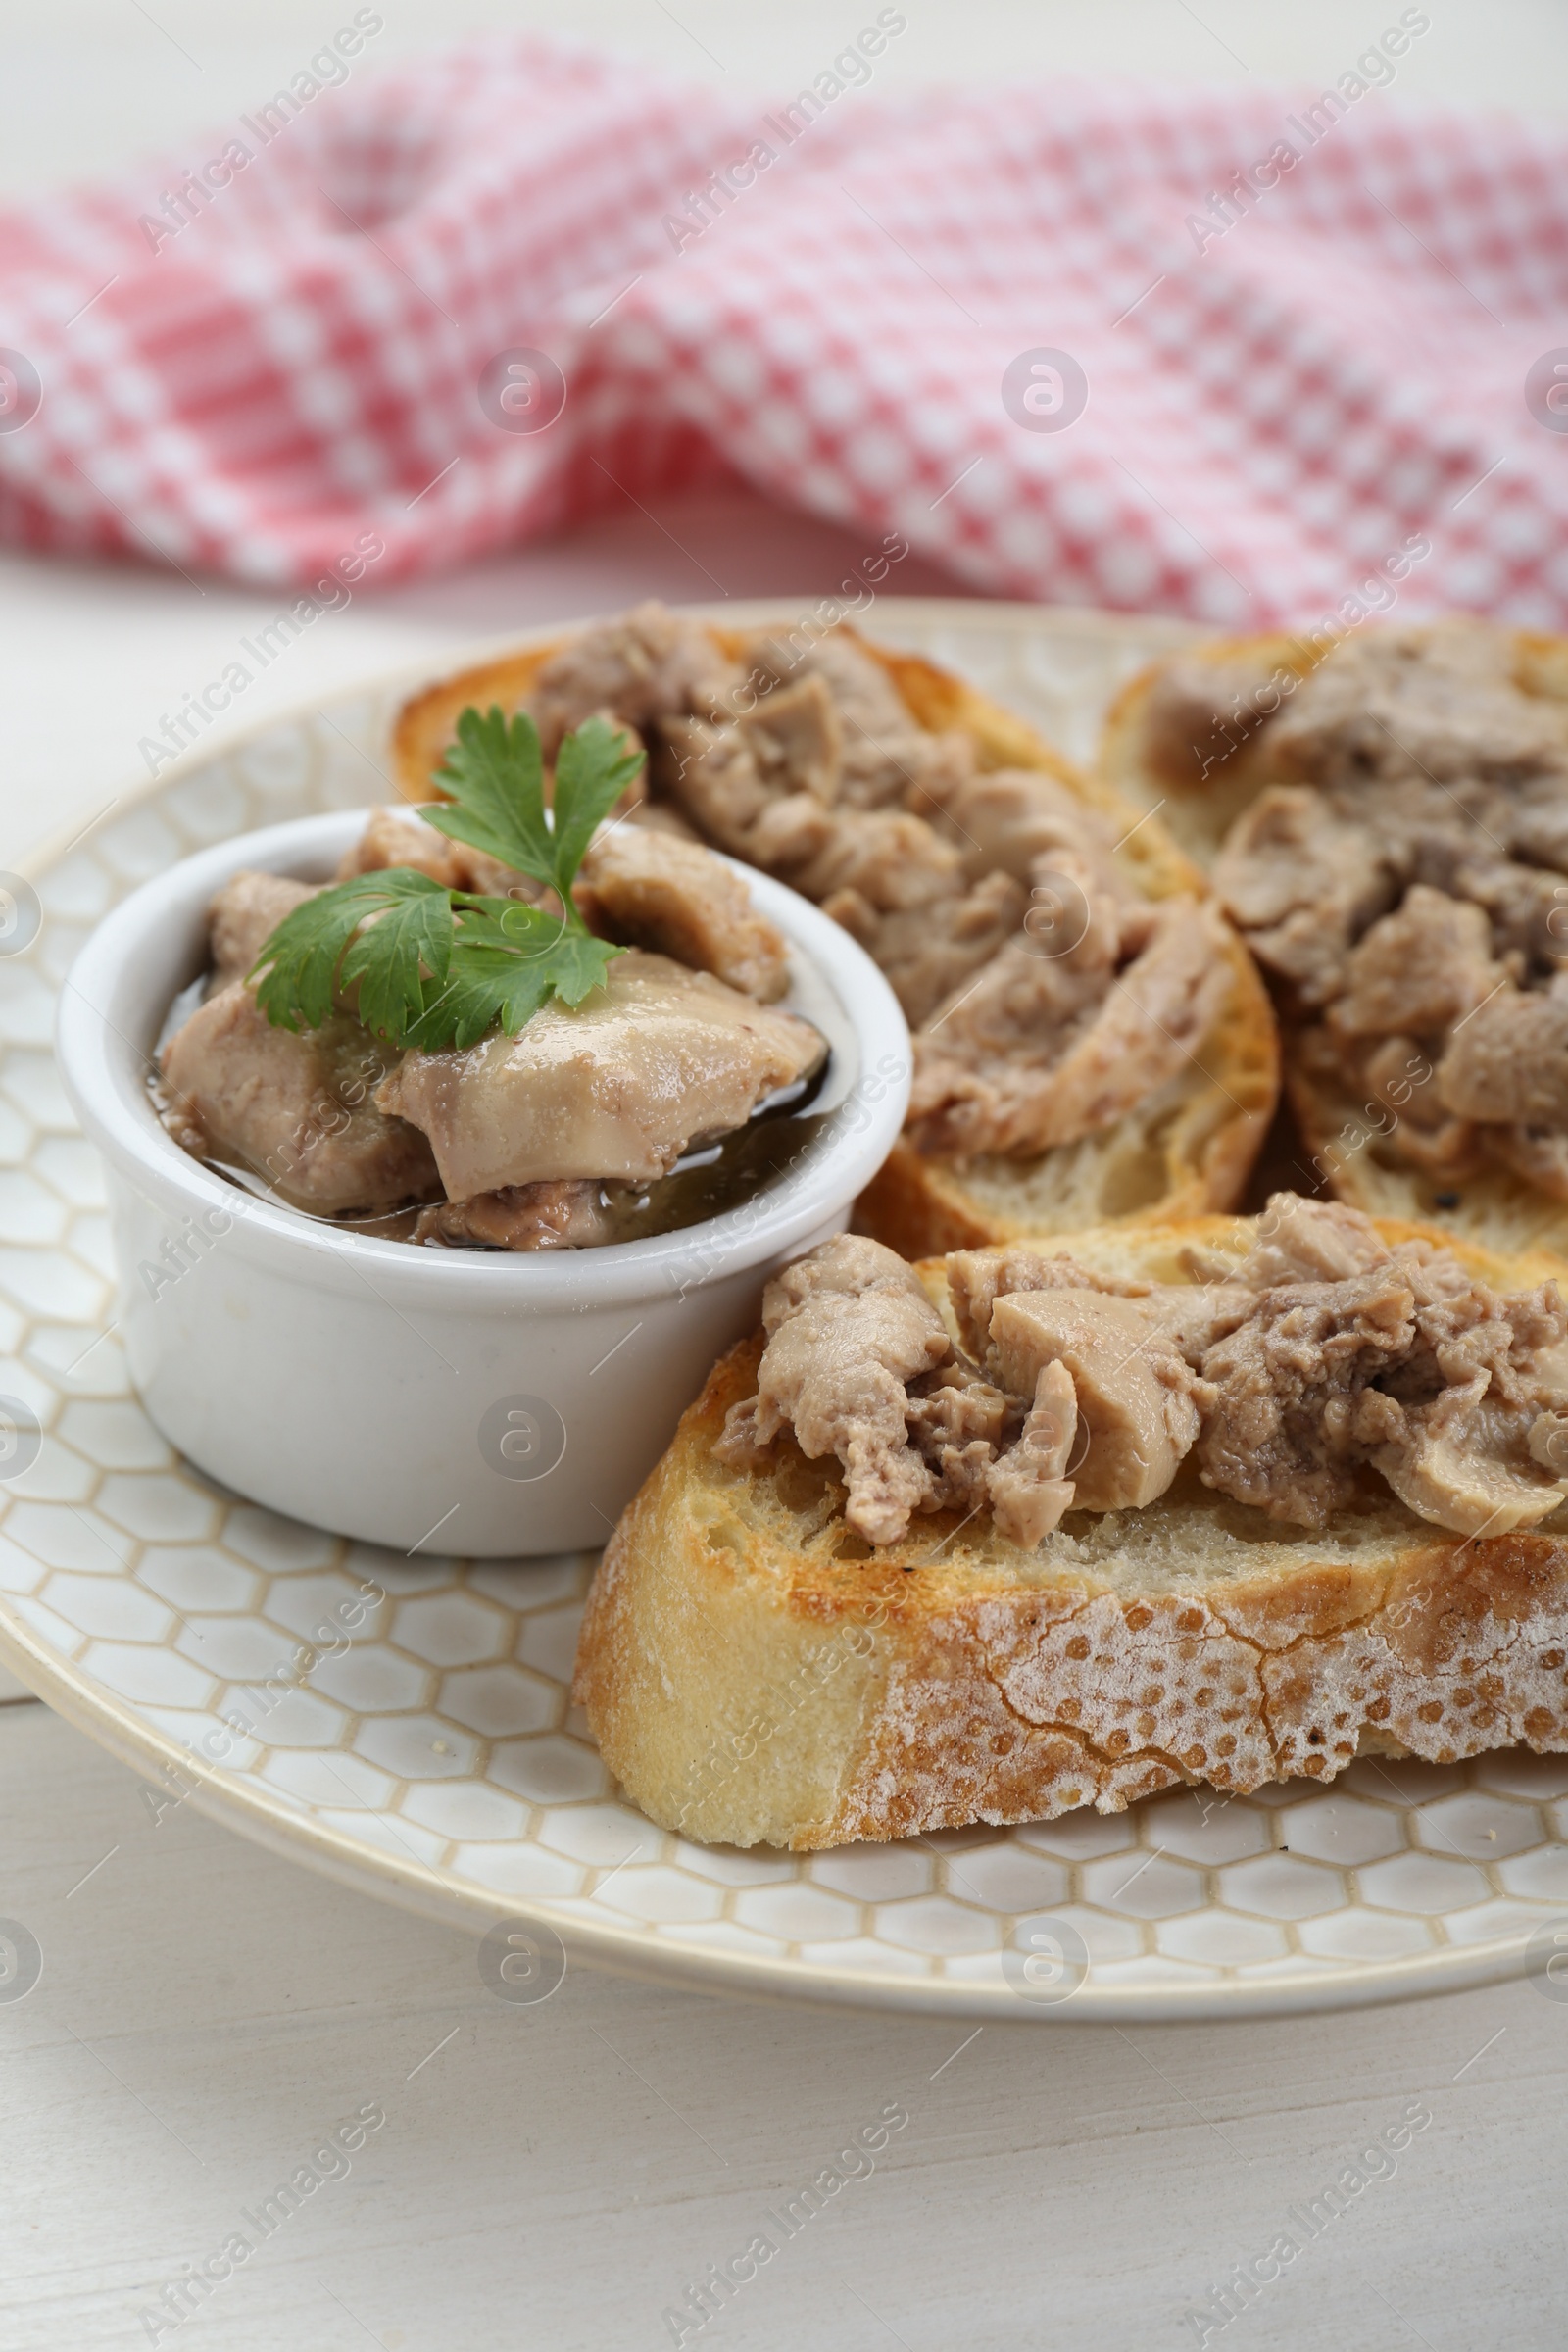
438 1729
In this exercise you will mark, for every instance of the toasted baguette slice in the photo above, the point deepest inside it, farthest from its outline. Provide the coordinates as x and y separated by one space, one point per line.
754 1673
1343 1143
1340 1131
1200 811
1188 1148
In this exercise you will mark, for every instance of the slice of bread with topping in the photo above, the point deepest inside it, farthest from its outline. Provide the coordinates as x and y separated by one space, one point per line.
1184 1146
1423 760
756 1671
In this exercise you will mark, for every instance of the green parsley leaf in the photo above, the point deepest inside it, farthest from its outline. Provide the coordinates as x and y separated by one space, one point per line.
300 959
483 985
436 967
579 965
496 779
387 957
593 768
495 776
506 960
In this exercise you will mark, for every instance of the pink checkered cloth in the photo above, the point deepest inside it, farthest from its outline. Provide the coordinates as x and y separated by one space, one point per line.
447 307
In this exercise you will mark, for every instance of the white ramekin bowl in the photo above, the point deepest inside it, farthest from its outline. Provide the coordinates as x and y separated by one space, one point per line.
477 1403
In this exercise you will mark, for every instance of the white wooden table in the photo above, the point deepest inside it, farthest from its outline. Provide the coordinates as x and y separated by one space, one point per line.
560 2177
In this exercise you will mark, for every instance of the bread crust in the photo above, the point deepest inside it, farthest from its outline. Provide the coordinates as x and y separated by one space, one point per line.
753 1674
1190 1150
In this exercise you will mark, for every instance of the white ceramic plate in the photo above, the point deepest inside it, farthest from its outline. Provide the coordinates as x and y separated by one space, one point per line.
436 1759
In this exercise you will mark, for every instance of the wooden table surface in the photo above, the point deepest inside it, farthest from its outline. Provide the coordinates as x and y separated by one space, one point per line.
561 2177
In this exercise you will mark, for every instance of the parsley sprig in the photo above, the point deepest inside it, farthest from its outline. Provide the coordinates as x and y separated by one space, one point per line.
438 967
